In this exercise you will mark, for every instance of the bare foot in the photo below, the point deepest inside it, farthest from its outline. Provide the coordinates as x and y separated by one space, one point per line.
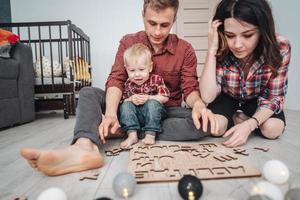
73 158
130 140
149 139
30 157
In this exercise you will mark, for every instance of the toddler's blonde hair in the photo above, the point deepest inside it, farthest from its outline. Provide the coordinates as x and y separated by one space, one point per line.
135 53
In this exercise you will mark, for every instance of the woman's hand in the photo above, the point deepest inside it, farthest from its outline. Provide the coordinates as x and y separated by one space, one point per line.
213 37
240 134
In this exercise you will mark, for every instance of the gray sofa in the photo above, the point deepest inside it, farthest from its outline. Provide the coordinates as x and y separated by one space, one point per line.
17 87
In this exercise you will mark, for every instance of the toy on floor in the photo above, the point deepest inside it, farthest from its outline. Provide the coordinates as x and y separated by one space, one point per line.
124 184
115 151
170 162
259 197
240 151
276 172
52 193
268 189
20 198
262 149
190 187
91 176
292 194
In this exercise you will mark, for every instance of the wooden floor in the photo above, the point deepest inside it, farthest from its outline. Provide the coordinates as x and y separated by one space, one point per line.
52 131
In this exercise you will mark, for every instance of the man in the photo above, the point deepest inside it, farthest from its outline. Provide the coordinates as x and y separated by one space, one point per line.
173 58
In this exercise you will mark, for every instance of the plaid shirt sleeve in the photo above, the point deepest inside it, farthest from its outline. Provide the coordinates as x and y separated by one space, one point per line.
273 96
219 75
126 92
161 87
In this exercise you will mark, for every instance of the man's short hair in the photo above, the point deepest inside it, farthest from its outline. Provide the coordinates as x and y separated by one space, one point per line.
137 52
161 4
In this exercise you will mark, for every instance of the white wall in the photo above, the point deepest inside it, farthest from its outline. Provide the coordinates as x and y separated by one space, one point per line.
105 21
288 24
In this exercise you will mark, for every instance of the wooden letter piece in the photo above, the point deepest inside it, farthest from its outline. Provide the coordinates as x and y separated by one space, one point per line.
20 198
93 176
262 149
241 151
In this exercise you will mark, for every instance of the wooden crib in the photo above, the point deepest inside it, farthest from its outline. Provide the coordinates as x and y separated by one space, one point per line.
61 57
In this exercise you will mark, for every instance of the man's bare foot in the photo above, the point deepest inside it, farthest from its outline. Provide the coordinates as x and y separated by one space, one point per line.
73 158
149 139
130 140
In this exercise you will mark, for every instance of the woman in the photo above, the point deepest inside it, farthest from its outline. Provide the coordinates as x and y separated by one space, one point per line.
246 69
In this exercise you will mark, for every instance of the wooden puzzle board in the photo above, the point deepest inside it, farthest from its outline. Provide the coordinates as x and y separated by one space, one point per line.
169 162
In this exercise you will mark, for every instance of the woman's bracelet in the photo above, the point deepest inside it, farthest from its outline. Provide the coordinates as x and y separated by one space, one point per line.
257 122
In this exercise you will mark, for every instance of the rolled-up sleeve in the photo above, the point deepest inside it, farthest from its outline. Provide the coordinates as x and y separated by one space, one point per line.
189 82
219 77
274 95
118 75
161 87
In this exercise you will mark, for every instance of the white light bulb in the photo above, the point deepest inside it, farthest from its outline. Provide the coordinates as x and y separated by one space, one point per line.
268 189
52 193
276 172
125 193
124 184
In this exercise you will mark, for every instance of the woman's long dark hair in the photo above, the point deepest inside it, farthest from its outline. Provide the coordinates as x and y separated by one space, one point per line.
259 14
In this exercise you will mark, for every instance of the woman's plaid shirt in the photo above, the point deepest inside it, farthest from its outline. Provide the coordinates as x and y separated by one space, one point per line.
259 82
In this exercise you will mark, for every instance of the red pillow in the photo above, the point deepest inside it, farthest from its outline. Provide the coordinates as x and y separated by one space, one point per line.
7 39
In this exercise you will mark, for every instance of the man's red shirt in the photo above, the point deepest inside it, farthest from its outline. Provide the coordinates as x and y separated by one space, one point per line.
176 63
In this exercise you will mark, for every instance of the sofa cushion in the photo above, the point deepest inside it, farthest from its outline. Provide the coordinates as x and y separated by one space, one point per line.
8 88
9 112
9 69
17 87
4 50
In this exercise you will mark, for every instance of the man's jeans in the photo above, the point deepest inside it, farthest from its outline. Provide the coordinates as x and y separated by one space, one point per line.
178 125
146 117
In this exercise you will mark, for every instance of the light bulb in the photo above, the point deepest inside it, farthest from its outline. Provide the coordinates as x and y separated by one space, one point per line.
125 193
124 184
191 196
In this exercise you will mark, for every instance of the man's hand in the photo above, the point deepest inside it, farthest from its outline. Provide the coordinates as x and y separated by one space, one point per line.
240 133
201 112
139 99
109 124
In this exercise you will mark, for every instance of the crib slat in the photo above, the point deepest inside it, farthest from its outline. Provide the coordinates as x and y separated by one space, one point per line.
41 57
60 55
57 40
51 57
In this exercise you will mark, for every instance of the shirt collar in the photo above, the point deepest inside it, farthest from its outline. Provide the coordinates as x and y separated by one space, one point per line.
169 44
231 60
259 63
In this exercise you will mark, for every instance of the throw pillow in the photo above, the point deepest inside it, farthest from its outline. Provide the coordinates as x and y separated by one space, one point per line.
7 39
